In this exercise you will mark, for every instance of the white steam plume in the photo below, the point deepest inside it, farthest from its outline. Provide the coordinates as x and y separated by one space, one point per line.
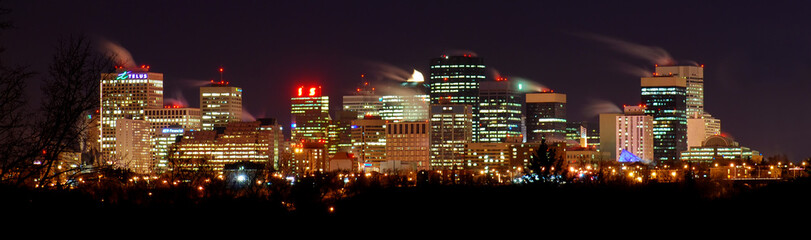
177 100
529 85
246 116
633 70
599 106
383 71
117 53
652 54
416 77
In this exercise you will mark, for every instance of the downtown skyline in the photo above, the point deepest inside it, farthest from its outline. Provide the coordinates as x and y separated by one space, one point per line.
584 51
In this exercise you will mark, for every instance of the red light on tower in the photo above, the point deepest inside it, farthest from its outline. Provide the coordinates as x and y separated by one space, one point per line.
220 69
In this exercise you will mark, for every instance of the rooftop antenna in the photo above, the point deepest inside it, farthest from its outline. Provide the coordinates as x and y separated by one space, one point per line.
221 73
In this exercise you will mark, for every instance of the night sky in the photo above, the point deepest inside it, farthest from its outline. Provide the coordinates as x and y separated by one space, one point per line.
757 55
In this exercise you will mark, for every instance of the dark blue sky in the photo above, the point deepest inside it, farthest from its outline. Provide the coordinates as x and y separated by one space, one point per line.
757 55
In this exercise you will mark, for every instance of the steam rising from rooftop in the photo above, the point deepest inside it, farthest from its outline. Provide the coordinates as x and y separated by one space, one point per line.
460 52
416 77
599 106
117 53
246 116
177 100
529 85
652 54
381 71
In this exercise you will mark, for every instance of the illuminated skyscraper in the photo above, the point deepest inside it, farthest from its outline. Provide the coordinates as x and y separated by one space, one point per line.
408 143
310 113
451 130
363 101
635 133
694 78
398 108
126 94
369 140
258 141
132 144
546 116
221 104
500 109
456 79
666 100
166 124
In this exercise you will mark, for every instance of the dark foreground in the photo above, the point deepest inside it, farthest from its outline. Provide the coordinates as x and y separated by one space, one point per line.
608 203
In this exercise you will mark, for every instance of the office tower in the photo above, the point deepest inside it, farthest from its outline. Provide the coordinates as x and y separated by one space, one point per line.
310 113
608 136
694 78
720 149
309 157
166 124
132 144
408 142
369 140
699 129
546 116
500 110
258 141
635 133
456 79
221 104
398 108
338 131
488 158
666 100
363 101
451 129
125 94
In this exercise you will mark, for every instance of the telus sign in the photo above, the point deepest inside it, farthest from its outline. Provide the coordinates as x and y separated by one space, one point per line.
129 75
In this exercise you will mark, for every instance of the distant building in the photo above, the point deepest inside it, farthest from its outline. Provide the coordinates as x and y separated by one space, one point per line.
125 94
699 129
720 149
456 79
500 109
408 142
369 140
339 137
310 157
310 112
451 129
258 141
220 104
666 100
546 116
133 141
608 135
398 108
364 101
635 133
166 124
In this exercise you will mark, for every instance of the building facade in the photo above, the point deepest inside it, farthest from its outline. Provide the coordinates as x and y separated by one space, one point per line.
409 142
133 144
220 104
456 79
500 110
666 100
635 133
126 94
546 116
451 130
369 140
310 112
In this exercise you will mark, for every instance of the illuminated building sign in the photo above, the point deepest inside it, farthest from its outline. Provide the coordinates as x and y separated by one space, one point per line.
311 91
129 75
172 130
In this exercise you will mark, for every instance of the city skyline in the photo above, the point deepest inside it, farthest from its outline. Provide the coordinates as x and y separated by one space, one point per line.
580 58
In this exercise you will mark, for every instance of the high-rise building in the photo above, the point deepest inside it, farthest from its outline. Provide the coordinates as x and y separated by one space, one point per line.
451 129
608 136
699 129
635 133
369 140
339 138
694 78
456 79
666 100
363 101
221 104
132 144
546 116
408 142
310 112
126 94
500 109
398 108
258 141
577 134
166 124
